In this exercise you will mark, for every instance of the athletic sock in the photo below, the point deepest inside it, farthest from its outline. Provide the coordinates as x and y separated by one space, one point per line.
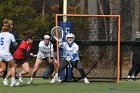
31 78
56 75
13 80
20 74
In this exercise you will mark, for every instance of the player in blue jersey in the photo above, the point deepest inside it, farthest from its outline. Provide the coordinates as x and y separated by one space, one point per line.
70 56
6 39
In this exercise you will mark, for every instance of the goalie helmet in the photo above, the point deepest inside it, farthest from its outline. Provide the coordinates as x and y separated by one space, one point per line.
70 37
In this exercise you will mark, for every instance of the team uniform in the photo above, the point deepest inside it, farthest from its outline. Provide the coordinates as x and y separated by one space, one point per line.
70 56
45 51
70 52
19 55
5 40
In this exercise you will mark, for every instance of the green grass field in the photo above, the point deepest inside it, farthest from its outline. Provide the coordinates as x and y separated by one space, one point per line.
43 86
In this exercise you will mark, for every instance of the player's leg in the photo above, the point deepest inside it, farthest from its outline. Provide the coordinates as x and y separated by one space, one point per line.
3 66
35 69
79 67
62 65
131 71
136 72
26 70
55 63
55 78
13 70
6 70
2 69
5 81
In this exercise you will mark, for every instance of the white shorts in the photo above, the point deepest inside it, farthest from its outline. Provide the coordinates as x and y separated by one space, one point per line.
6 57
42 56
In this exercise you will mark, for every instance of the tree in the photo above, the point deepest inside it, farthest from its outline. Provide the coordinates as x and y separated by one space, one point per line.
25 16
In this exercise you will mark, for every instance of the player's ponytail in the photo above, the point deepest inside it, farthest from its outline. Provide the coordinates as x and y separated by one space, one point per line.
5 27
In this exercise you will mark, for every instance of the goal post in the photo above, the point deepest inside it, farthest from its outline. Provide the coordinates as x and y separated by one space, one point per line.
99 37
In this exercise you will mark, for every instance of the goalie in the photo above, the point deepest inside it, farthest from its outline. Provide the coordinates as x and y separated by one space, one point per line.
70 56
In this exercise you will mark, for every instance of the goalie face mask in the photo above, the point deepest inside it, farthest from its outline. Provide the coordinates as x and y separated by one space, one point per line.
70 40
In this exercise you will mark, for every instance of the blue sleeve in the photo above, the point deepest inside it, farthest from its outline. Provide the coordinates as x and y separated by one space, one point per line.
74 55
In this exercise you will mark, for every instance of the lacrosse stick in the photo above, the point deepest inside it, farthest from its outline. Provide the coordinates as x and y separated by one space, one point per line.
57 33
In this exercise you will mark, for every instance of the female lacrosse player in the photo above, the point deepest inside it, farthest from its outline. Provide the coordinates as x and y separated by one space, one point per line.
21 56
70 56
45 53
5 56
15 33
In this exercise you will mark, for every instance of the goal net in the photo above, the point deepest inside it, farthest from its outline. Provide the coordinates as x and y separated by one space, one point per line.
98 37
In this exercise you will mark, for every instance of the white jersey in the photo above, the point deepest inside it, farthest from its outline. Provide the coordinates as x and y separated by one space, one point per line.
45 51
5 40
70 50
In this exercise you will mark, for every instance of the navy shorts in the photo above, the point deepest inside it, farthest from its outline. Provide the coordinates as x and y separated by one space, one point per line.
20 61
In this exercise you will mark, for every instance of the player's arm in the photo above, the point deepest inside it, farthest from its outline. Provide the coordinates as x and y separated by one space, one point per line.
14 43
25 53
75 53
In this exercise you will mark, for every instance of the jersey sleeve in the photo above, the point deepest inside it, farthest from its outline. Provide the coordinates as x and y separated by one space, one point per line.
76 50
12 38
41 44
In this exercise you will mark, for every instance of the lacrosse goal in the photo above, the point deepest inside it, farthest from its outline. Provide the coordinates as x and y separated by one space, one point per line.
98 37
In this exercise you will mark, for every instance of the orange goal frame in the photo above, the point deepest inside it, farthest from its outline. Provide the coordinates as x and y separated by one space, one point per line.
89 15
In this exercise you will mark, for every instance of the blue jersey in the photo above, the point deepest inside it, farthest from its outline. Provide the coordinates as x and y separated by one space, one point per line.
70 52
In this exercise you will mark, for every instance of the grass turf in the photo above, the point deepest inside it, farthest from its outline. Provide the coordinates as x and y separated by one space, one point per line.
43 86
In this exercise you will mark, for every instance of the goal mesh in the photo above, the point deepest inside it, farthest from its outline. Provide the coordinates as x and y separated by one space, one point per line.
98 37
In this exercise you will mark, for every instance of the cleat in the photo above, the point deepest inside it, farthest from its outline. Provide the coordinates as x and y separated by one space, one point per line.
30 82
86 81
17 83
5 82
11 85
20 79
14 84
58 80
53 80
129 78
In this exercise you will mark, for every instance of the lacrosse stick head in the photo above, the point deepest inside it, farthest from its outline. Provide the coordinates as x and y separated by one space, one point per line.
57 33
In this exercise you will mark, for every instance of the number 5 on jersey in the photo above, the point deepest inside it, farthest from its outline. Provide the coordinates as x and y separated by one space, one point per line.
1 41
